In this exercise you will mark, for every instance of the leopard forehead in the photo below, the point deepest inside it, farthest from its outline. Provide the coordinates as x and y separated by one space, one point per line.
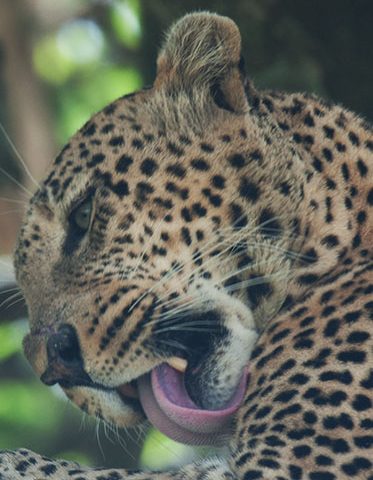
190 180
121 145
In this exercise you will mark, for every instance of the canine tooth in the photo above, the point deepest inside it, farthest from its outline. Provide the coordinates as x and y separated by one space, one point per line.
178 363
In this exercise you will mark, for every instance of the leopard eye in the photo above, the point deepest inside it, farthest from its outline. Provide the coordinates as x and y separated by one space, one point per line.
80 217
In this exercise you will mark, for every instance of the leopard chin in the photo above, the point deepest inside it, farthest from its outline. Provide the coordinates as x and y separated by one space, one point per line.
161 397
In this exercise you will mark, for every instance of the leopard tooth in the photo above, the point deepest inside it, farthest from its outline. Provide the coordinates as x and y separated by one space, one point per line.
179 364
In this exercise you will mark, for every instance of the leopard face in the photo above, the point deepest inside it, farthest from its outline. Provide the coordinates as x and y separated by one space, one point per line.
160 243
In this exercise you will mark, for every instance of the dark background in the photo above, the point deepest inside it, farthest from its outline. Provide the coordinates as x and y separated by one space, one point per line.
60 61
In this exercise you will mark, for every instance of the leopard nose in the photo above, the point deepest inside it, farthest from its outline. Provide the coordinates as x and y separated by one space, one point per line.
64 346
65 363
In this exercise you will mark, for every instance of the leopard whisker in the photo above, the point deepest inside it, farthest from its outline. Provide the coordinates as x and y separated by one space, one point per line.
10 298
290 253
182 307
135 441
170 343
238 272
202 251
106 432
16 182
175 319
6 264
181 310
83 419
13 200
183 329
10 211
260 264
13 289
18 156
201 267
121 440
98 422
252 282
222 241
228 240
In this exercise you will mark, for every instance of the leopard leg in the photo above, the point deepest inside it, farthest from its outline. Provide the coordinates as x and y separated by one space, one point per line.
24 464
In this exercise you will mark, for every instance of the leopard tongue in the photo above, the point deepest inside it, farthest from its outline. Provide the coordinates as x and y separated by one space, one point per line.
168 406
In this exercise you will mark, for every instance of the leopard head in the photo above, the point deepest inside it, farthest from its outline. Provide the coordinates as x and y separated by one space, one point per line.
156 247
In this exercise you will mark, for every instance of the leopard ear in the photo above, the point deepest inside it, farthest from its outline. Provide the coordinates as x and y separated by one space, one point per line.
202 51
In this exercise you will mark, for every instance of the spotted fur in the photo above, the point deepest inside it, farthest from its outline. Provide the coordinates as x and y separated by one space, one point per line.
242 211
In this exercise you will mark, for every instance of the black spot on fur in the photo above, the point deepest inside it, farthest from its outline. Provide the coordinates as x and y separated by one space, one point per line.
249 190
123 164
258 291
148 167
268 223
237 161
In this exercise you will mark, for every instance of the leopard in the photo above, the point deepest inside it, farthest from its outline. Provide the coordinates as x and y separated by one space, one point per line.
199 256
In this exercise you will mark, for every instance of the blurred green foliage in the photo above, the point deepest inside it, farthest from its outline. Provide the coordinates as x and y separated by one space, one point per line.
20 408
126 22
91 91
11 335
161 453
26 408
78 61
87 60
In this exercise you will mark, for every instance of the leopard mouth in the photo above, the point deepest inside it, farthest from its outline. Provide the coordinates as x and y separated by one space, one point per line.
168 406
190 401
164 396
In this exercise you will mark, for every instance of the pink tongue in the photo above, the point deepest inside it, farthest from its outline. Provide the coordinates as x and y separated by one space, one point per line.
168 406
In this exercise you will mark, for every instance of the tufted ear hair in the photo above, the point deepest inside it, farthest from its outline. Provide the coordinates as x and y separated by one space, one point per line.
202 51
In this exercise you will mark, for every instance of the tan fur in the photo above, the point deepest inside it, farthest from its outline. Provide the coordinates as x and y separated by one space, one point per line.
187 176
197 52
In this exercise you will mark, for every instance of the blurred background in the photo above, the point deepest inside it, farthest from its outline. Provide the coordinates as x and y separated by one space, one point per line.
60 61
